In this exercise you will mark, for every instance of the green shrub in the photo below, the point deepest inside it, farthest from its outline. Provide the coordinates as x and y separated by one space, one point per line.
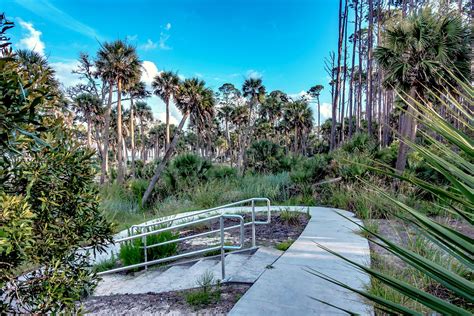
222 172
284 245
205 295
48 199
360 142
106 264
264 156
131 252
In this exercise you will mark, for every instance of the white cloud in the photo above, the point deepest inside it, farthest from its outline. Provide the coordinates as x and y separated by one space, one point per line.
168 26
326 111
163 38
300 95
32 39
253 74
149 45
149 71
64 72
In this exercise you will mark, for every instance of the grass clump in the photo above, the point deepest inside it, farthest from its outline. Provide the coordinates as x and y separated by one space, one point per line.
208 293
290 218
105 265
132 252
284 245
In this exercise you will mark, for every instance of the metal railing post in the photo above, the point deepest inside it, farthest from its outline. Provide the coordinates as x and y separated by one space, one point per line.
254 241
145 251
222 247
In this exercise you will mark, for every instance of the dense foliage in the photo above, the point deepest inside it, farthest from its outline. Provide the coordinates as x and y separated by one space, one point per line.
49 202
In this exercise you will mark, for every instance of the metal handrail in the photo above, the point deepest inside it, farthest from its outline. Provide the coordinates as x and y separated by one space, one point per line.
252 200
222 247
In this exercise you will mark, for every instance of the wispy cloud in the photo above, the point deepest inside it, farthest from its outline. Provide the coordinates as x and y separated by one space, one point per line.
168 26
46 10
163 38
253 74
149 45
32 39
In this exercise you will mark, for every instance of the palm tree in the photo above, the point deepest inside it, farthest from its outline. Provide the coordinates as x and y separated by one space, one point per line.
224 113
254 90
165 85
120 62
144 115
271 108
192 99
315 92
137 90
298 116
417 53
89 105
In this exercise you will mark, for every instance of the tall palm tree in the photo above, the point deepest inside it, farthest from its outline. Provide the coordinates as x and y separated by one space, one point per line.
417 53
137 90
254 90
120 61
192 99
315 92
144 115
165 85
298 116
89 105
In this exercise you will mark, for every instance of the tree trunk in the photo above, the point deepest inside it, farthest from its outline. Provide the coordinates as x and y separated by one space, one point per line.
162 165
319 116
359 87
89 131
167 137
105 154
338 78
343 101
408 131
351 82
120 173
368 107
132 136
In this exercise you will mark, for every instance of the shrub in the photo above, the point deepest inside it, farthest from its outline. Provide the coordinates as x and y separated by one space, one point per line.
263 156
48 200
222 172
284 245
131 252
185 172
204 295
360 142
308 172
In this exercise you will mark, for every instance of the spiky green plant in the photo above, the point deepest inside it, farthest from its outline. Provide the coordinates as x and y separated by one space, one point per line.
450 153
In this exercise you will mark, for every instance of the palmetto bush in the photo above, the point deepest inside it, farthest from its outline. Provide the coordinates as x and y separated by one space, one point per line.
450 154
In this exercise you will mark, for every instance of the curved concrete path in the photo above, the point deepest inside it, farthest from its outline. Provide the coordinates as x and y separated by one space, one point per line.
287 288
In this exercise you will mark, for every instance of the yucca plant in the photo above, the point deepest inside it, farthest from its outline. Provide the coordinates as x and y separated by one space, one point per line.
450 153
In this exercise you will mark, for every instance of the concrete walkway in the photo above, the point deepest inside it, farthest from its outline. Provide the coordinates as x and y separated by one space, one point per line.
287 288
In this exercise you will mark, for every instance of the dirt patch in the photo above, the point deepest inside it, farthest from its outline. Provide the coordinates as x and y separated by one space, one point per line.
268 235
168 303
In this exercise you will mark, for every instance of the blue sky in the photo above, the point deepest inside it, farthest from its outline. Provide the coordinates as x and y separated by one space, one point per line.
284 42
